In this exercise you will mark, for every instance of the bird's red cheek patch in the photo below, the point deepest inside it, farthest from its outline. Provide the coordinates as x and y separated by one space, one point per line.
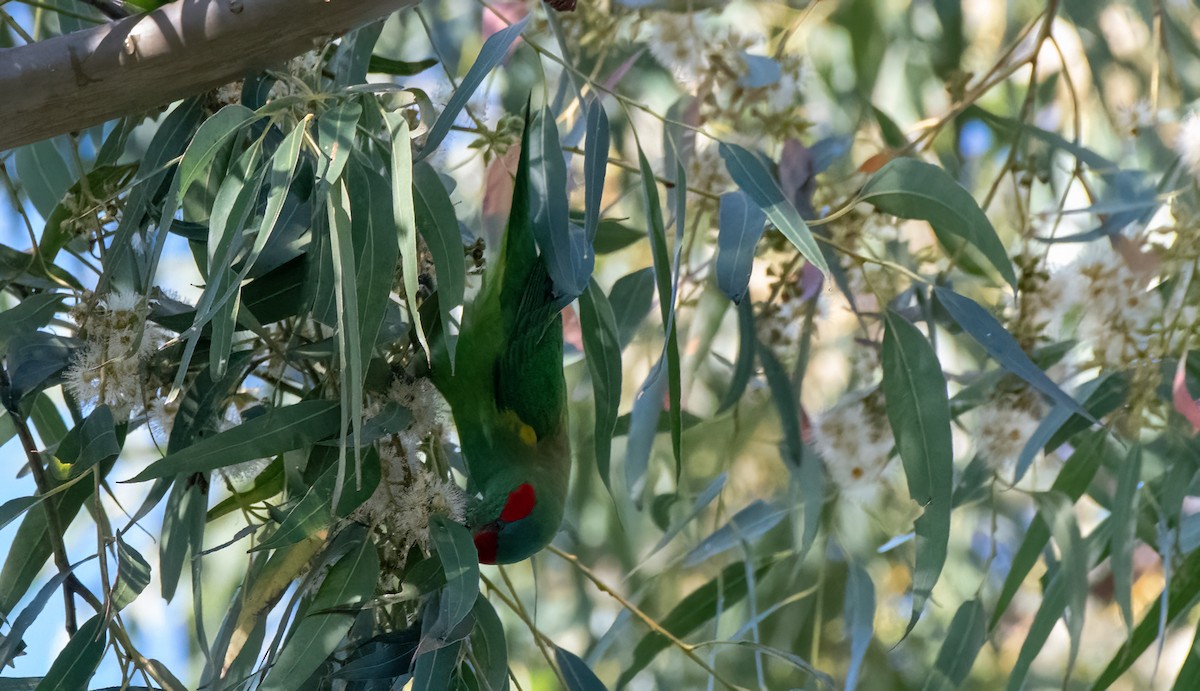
520 503
485 544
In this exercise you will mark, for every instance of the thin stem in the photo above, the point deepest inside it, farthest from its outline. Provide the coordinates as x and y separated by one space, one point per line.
687 648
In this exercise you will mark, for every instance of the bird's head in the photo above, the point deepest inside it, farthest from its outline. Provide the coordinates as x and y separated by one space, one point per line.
514 520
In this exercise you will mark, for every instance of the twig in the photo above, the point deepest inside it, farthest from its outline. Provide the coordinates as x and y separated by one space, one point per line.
687 648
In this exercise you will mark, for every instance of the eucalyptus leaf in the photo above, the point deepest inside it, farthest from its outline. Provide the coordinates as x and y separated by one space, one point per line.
912 189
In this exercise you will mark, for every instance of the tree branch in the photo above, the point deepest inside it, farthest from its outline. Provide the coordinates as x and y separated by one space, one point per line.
71 82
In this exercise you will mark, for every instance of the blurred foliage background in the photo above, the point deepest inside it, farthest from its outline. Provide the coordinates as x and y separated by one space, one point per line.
980 239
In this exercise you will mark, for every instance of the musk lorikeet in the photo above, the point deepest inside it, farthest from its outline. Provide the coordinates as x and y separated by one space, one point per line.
508 394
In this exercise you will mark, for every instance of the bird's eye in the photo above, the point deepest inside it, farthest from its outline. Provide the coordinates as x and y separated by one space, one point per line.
520 503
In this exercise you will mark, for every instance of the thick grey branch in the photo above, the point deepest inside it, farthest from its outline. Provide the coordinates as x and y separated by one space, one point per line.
82 79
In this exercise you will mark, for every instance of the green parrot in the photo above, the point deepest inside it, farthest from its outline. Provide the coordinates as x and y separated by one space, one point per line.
508 395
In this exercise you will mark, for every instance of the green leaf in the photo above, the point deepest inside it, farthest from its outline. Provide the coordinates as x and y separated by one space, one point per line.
493 51
488 646
31 314
701 502
182 530
666 302
1189 674
595 165
603 349
1124 520
75 665
174 135
12 644
43 173
460 563
89 443
33 358
578 675
313 512
272 433
632 297
11 509
1002 347
701 605
267 484
404 216
1067 591
321 627
752 176
335 134
1072 481
432 670
399 68
741 225
919 412
859 613
1181 596
30 547
912 189
133 575
747 525
613 236
564 248
964 640
807 472
439 227
743 369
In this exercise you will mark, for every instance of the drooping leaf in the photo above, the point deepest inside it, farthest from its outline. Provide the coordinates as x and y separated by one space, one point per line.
1124 521
603 350
488 646
31 314
133 575
276 431
913 189
460 563
1066 592
918 410
751 174
859 613
44 174
319 630
1180 598
578 675
748 524
1072 481
399 68
964 640
1002 347
632 297
438 224
697 608
405 216
493 51
34 357
664 282
79 659
564 246
701 502
595 165
743 369
92 441
10 646
741 225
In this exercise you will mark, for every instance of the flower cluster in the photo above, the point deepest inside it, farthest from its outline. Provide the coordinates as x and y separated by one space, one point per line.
408 495
111 367
855 441
1004 426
